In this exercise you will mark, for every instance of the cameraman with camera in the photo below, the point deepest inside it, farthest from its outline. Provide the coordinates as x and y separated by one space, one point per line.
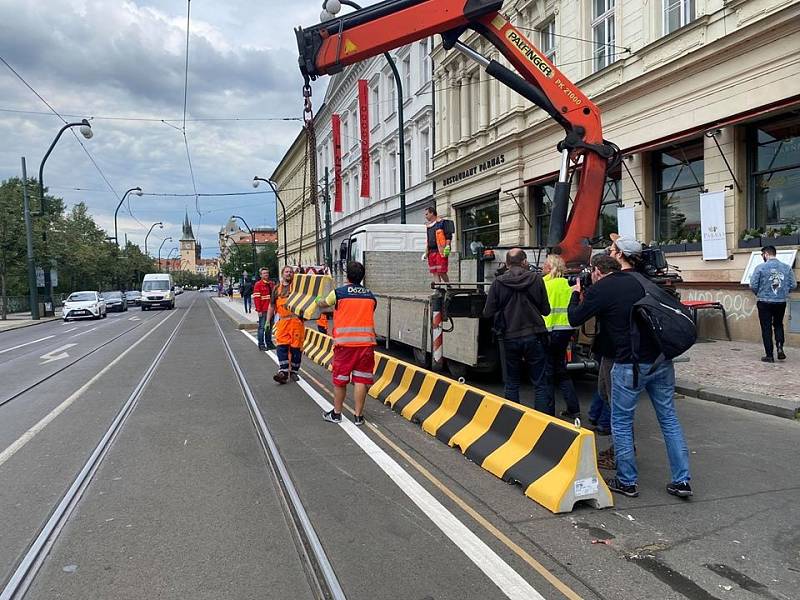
611 300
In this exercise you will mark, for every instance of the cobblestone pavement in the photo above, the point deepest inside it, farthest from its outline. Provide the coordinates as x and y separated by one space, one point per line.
737 366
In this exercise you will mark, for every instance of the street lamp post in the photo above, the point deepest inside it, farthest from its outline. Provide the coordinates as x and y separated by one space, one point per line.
138 191
169 256
149 232
278 200
252 239
86 131
166 239
330 9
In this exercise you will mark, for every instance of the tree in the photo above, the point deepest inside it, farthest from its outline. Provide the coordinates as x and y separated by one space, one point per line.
12 238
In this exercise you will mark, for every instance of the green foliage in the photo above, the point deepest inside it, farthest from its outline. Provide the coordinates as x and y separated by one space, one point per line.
240 258
187 279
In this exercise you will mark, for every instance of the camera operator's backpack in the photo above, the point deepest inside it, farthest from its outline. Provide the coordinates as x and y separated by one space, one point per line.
668 321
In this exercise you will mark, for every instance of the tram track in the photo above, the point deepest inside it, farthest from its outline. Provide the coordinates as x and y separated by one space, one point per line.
66 366
31 561
322 579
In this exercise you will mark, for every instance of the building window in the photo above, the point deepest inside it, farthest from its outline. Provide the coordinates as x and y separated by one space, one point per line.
376 178
547 33
392 95
375 104
603 33
424 61
677 13
425 142
345 133
354 127
406 71
612 195
356 190
678 178
774 159
392 173
480 223
541 207
346 196
409 162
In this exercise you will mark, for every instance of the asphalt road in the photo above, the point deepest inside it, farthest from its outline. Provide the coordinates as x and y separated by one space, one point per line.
183 504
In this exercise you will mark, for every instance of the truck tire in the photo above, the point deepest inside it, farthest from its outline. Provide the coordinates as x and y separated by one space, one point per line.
457 369
422 358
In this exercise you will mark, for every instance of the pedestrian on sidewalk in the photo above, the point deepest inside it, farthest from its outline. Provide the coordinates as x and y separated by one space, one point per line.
289 331
561 332
246 288
772 281
262 298
230 291
517 301
353 342
611 300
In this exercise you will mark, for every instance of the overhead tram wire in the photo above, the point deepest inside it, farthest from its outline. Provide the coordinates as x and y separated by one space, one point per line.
153 119
85 149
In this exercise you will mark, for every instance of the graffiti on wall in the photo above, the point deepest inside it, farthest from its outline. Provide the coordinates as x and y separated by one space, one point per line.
738 304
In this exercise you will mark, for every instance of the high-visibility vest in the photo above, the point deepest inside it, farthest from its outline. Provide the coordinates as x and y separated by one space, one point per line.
559 294
280 303
323 320
354 316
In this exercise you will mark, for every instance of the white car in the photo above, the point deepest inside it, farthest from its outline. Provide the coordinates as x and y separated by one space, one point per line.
84 305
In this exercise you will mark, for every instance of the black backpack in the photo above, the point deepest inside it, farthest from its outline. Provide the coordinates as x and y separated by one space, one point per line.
668 321
449 227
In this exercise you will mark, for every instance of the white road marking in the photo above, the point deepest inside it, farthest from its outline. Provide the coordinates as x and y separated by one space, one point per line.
134 319
83 332
26 344
57 354
45 421
511 583
73 329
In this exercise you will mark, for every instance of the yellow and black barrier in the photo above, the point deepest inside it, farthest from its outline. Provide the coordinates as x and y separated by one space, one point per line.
305 289
554 462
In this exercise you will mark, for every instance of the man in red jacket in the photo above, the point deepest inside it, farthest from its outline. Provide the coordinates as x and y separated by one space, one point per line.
262 296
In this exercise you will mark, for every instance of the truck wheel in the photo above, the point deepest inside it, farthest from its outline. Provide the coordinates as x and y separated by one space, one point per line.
457 369
422 358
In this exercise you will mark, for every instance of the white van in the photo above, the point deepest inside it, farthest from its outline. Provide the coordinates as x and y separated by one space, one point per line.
386 238
158 290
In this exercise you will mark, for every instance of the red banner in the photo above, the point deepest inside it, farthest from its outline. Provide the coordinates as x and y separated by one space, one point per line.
363 111
336 123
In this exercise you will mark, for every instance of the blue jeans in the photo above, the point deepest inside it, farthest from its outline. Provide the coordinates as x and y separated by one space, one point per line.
600 411
660 386
533 352
248 303
264 331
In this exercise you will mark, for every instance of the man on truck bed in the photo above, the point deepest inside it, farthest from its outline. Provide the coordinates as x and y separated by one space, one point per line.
437 251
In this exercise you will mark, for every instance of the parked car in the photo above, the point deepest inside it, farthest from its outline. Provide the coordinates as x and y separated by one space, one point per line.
84 305
158 290
134 297
115 301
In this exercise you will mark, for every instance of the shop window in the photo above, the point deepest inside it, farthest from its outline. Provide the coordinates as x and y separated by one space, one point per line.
480 222
676 14
612 195
678 176
541 207
774 159
603 32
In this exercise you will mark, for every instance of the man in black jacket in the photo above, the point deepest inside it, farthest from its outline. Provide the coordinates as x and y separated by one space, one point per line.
517 300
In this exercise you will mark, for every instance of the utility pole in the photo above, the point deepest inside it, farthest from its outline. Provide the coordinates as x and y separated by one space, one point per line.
26 208
328 249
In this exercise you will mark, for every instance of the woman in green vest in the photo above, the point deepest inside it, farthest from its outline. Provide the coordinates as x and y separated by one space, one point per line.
559 293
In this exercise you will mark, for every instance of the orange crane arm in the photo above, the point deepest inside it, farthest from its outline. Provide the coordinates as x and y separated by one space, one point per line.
327 48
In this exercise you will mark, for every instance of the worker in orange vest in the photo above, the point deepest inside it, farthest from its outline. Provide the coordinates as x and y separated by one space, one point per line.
262 300
289 330
322 323
353 342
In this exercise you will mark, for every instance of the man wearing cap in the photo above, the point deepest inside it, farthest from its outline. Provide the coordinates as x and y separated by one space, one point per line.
611 301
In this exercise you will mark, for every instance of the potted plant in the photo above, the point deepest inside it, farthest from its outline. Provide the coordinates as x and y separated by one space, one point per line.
751 238
673 245
694 241
785 236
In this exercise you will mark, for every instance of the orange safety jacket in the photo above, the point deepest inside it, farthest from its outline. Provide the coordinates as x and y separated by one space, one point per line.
323 320
280 297
262 295
354 316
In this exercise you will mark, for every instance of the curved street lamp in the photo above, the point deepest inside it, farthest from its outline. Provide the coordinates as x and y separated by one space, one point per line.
161 226
86 131
330 8
252 240
169 256
138 191
166 239
278 200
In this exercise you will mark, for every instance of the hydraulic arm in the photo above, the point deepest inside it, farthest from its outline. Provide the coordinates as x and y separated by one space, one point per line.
327 48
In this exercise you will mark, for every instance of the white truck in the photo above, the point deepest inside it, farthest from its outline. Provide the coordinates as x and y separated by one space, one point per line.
397 273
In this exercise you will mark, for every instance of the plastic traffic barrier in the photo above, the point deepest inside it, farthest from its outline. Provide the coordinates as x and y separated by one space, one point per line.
318 347
553 461
303 293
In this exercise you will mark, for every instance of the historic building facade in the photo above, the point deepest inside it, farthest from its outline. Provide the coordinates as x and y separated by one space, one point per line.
190 247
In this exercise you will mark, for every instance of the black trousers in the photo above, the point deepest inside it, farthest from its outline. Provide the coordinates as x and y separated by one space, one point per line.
770 315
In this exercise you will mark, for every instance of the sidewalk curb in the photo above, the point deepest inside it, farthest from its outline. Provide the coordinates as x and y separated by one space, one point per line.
779 407
236 317
29 324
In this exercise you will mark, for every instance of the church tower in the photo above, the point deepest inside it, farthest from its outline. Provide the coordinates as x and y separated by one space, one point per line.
190 249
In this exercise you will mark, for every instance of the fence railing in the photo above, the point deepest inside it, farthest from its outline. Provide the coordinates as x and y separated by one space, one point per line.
17 304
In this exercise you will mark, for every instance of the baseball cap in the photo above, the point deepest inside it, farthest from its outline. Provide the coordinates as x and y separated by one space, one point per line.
628 246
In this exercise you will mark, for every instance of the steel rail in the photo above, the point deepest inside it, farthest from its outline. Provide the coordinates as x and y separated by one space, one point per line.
319 571
29 565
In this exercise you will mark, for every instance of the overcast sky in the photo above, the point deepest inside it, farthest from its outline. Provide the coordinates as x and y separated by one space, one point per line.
111 58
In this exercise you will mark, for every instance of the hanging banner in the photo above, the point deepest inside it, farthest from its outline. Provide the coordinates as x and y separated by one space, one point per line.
363 111
336 124
712 226
626 222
